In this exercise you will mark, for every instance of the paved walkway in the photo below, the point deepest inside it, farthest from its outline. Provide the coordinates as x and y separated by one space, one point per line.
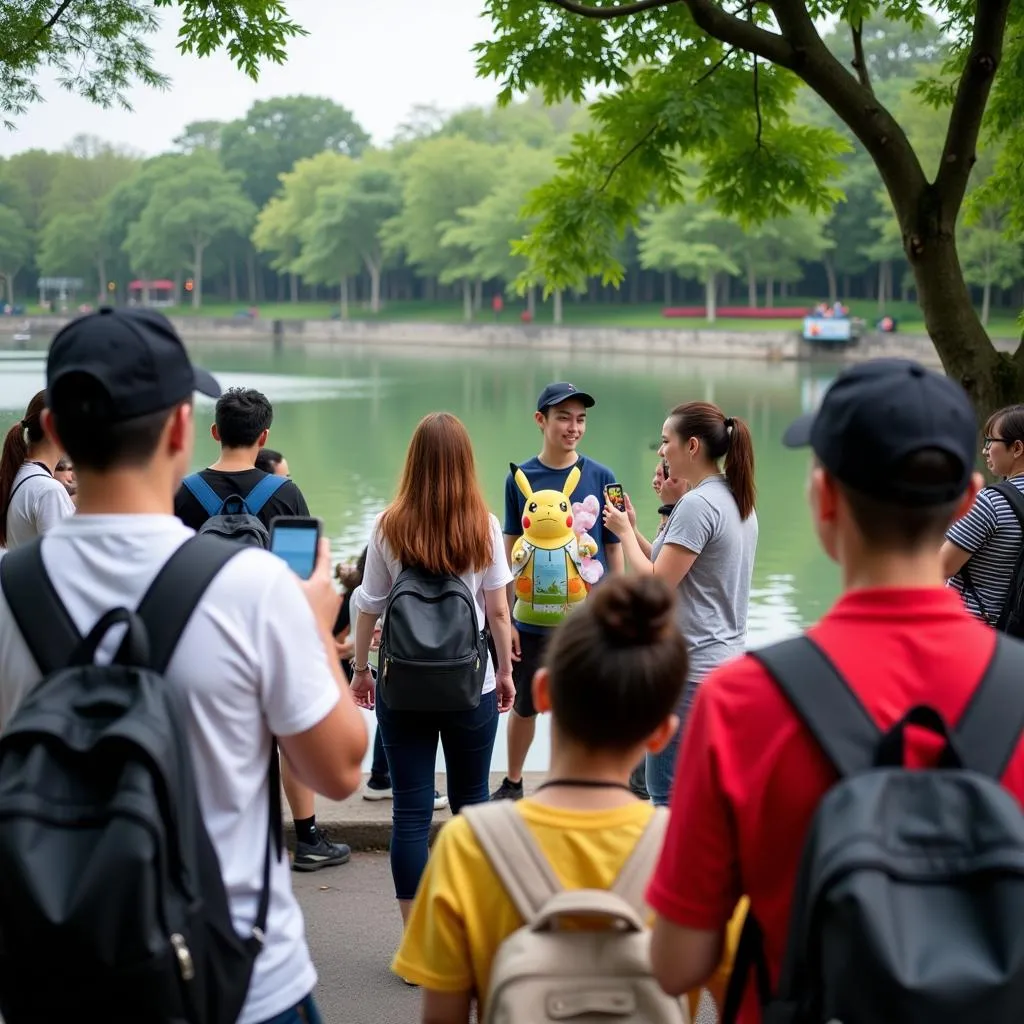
366 824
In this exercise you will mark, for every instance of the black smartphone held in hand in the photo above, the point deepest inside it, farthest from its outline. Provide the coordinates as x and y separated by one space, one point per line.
296 539
615 494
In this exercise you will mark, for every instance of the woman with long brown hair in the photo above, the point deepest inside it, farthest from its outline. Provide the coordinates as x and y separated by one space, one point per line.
706 549
438 523
31 500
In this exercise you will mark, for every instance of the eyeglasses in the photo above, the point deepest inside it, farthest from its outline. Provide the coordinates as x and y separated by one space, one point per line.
989 441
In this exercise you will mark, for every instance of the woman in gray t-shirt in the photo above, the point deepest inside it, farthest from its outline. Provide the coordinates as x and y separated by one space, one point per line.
706 550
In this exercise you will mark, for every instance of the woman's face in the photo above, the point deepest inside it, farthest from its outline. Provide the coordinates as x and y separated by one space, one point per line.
65 473
673 451
659 478
1003 457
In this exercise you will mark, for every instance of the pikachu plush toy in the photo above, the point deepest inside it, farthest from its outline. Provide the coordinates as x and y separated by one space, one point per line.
546 559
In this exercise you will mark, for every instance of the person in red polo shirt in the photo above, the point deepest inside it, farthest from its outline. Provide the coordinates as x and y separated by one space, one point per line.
893 448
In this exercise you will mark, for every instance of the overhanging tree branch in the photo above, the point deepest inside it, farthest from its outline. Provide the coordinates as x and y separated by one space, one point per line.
27 46
860 63
589 11
958 151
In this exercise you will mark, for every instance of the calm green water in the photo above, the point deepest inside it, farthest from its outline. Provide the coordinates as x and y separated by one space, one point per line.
344 422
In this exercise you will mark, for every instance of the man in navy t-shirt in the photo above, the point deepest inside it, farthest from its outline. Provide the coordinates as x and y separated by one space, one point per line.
562 418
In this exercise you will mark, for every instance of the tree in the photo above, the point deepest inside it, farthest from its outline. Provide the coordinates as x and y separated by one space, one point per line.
200 135
74 244
185 214
282 224
91 170
696 77
15 247
98 49
276 134
777 248
347 222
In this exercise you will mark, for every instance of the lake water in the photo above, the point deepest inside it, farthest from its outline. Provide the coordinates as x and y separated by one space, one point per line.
344 421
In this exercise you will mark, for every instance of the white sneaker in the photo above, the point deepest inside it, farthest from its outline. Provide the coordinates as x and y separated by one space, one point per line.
377 792
440 801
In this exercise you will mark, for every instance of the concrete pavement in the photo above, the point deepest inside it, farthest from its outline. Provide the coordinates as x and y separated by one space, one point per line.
366 825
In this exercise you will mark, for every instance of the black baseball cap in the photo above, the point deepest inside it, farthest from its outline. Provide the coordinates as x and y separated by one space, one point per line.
879 412
136 357
554 394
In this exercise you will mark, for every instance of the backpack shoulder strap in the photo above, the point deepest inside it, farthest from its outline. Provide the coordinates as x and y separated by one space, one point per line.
517 860
631 883
824 701
263 492
990 727
1013 497
172 597
23 480
203 493
36 607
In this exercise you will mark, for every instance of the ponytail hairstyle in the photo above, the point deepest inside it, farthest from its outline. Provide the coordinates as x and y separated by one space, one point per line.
722 437
27 431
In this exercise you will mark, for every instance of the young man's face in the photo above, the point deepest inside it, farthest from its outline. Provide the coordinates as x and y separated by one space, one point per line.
563 425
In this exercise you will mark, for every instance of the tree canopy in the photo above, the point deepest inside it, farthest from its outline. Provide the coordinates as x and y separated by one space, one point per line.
718 82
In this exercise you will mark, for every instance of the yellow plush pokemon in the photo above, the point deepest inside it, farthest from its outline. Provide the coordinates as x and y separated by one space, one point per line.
546 559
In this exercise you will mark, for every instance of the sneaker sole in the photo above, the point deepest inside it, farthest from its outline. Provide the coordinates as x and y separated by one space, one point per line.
316 865
378 794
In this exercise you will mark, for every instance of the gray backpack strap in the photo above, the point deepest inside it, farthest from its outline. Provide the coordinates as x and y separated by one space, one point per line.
517 860
631 883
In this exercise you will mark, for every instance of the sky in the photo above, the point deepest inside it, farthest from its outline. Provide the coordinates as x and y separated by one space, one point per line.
378 58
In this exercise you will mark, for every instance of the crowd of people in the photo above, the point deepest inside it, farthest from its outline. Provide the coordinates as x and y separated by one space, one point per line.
676 755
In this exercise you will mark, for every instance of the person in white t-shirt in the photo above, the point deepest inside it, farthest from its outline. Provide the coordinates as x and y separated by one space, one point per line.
438 522
32 501
257 657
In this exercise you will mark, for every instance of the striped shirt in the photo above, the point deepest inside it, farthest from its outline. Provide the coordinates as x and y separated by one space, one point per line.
991 533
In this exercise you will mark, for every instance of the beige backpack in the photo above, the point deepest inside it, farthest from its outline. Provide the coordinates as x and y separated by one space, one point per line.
544 973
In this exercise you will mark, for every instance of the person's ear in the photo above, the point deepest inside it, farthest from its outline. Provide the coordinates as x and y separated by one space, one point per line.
540 419
662 736
824 494
215 433
46 421
178 432
541 689
262 442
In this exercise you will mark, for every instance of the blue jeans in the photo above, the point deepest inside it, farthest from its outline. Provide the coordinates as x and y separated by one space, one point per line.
379 771
661 767
410 741
302 1013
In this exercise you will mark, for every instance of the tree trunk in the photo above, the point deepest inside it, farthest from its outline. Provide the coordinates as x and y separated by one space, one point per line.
467 301
374 270
233 279
343 297
531 301
783 289
197 277
478 295
557 297
986 301
991 379
830 273
667 285
250 267
710 311
883 285
101 269
769 292
293 286
751 285
177 285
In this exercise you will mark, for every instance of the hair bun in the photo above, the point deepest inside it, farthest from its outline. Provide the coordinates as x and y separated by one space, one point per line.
634 611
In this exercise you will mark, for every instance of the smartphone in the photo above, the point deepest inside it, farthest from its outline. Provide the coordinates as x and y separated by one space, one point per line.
664 469
615 494
296 540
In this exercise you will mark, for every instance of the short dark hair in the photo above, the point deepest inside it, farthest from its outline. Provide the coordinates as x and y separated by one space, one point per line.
92 439
617 664
268 460
888 526
242 415
1009 421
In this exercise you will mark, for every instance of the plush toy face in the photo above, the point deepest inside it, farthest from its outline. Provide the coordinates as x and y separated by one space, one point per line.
547 516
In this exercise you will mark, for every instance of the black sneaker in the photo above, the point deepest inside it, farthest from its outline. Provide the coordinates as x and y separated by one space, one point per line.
321 854
508 790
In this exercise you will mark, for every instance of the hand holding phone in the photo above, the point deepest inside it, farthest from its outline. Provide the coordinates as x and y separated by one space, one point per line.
616 495
295 539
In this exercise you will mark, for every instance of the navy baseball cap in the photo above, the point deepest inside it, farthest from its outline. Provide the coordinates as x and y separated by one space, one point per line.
554 394
136 357
879 412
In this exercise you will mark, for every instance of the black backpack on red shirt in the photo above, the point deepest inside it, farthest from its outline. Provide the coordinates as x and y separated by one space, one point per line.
910 896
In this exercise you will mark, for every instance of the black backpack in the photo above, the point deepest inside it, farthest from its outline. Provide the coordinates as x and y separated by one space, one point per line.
112 904
910 896
1011 616
235 518
433 655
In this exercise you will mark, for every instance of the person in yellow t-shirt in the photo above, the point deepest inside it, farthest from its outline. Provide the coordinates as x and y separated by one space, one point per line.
612 675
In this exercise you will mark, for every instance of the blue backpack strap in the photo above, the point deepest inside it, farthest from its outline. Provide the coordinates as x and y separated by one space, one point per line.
203 493
262 493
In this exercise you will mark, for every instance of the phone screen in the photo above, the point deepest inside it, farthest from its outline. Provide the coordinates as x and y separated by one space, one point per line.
615 496
297 546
